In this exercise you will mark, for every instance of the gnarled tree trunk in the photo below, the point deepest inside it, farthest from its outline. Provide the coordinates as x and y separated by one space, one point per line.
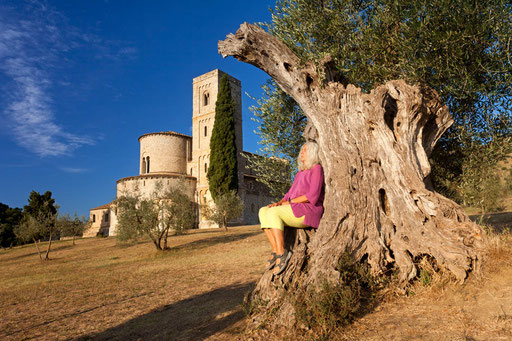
374 151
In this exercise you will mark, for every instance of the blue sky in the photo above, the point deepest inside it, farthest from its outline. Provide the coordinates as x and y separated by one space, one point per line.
80 81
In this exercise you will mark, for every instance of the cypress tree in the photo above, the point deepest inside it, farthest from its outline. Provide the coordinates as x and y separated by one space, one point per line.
223 170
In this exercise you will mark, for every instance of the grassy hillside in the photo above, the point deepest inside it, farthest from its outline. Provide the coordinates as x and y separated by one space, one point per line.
99 291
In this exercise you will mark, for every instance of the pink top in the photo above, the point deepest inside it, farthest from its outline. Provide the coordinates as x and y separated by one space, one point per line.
309 182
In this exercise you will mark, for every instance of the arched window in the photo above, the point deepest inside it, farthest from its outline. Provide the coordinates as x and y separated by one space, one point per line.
205 167
147 164
205 131
143 170
206 98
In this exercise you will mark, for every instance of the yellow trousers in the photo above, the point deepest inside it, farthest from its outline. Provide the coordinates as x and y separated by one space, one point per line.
278 216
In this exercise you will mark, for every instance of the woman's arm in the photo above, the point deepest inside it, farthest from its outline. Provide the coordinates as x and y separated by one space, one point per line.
316 184
279 203
298 200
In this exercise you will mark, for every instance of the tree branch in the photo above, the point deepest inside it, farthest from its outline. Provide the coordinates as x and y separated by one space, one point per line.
251 44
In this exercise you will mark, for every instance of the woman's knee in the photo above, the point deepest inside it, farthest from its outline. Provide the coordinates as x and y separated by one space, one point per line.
263 212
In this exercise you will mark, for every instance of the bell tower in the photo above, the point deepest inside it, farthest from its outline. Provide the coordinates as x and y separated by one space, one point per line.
205 90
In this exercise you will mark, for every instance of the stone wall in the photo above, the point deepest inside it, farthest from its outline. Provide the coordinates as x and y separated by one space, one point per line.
100 218
167 152
148 185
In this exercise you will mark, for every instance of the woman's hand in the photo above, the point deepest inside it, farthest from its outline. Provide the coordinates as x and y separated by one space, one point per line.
279 203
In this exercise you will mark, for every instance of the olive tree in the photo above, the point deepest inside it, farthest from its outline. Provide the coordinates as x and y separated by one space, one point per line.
154 216
72 226
226 207
377 81
39 221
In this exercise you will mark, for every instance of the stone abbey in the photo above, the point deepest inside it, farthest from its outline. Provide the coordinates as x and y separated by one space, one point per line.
168 158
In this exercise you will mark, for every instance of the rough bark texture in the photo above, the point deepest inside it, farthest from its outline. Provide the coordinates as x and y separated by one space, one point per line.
374 150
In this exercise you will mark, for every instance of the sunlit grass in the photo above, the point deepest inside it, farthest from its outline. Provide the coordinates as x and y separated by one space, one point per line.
98 280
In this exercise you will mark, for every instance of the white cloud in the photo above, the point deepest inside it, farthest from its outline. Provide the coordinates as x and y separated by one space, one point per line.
28 51
33 42
74 170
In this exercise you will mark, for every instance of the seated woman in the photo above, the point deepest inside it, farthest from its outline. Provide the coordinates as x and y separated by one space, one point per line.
301 207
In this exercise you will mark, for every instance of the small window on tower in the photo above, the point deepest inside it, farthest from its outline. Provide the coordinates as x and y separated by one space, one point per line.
205 168
206 98
93 218
205 131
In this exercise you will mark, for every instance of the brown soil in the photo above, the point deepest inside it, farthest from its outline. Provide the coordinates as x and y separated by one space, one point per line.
97 290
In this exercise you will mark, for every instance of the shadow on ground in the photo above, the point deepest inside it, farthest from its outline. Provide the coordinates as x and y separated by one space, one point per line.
221 239
499 221
194 318
34 253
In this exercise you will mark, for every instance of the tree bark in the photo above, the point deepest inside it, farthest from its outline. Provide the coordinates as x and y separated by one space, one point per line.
165 238
374 151
38 250
47 256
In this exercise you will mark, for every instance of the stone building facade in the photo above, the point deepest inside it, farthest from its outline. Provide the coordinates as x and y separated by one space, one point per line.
168 158
100 221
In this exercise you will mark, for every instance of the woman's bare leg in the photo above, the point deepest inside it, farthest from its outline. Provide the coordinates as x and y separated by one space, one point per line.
279 240
271 239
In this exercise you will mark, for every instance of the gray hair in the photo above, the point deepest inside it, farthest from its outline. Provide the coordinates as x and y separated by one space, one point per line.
312 157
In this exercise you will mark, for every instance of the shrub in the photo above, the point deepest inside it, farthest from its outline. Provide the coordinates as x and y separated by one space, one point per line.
331 305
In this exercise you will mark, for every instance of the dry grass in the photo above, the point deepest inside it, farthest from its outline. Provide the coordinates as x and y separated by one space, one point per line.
97 290
441 309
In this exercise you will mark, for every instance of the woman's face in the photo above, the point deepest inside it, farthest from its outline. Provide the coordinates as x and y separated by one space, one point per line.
302 154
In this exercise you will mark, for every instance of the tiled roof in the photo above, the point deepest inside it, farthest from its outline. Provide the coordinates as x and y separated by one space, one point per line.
165 133
102 207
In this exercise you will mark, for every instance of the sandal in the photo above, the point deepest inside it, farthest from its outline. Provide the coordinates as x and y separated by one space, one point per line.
284 259
272 261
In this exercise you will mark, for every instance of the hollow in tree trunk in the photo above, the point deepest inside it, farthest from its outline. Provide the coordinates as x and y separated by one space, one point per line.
374 149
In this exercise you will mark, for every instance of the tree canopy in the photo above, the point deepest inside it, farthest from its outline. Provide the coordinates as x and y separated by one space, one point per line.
39 220
228 206
459 48
40 204
153 216
9 220
223 170
281 122
72 226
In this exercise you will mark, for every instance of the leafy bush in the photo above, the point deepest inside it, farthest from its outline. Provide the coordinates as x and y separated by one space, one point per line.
331 305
